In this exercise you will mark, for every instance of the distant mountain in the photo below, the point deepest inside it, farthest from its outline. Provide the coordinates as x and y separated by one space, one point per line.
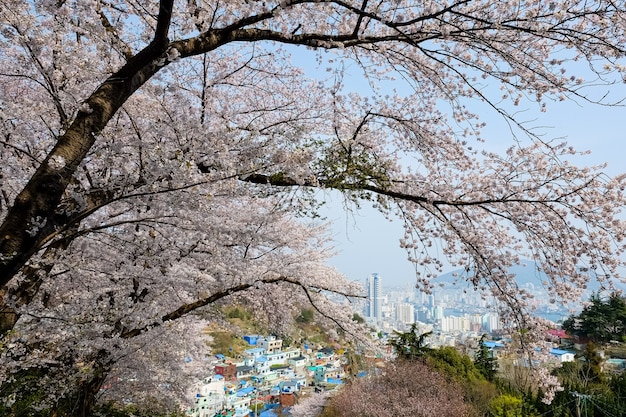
526 275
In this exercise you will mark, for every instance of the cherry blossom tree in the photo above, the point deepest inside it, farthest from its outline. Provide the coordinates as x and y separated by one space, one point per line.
402 388
312 405
120 324
156 155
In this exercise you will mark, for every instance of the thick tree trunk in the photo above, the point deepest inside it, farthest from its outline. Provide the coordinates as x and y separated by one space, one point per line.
33 218
83 398
29 287
8 316
87 395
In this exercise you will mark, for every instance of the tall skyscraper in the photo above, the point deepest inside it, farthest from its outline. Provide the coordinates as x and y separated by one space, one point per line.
431 301
374 296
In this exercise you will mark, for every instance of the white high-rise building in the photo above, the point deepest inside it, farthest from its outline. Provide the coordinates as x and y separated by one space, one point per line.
405 313
491 322
438 312
374 297
455 323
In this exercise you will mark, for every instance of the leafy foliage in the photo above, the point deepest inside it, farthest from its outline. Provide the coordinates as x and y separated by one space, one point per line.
485 362
239 313
454 364
506 405
356 317
306 316
602 320
410 344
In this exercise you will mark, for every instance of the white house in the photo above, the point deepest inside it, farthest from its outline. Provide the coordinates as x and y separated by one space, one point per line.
212 385
299 362
276 358
251 355
240 403
270 343
292 352
562 355
289 386
207 406
210 397
261 365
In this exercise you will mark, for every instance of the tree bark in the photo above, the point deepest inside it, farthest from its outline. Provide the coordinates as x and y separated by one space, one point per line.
88 392
33 217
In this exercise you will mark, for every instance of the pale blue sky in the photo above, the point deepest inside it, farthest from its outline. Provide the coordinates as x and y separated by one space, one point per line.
368 243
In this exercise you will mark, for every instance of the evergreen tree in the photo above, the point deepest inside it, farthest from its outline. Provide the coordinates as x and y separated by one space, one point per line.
602 320
411 344
484 361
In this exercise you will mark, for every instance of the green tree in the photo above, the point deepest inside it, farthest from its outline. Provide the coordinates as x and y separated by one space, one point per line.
411 344
454 364
484 361
617 386
592 368
356 317
602 320
506 405
459 367
306 315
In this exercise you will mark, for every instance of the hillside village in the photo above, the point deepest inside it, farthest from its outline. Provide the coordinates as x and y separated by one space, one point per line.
265 377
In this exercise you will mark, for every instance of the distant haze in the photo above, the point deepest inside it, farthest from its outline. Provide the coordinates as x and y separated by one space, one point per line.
526 275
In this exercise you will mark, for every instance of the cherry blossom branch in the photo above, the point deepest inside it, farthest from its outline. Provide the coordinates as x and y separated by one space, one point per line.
125 49
39 198
282 180
216 296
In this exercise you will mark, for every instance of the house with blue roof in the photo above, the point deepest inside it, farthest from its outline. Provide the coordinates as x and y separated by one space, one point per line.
261 365
494 347
334 381
240 404
245 391
563 355
289 386
249 356
261 375
300 380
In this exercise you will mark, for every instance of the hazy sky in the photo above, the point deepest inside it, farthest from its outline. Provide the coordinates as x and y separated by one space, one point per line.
368 243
